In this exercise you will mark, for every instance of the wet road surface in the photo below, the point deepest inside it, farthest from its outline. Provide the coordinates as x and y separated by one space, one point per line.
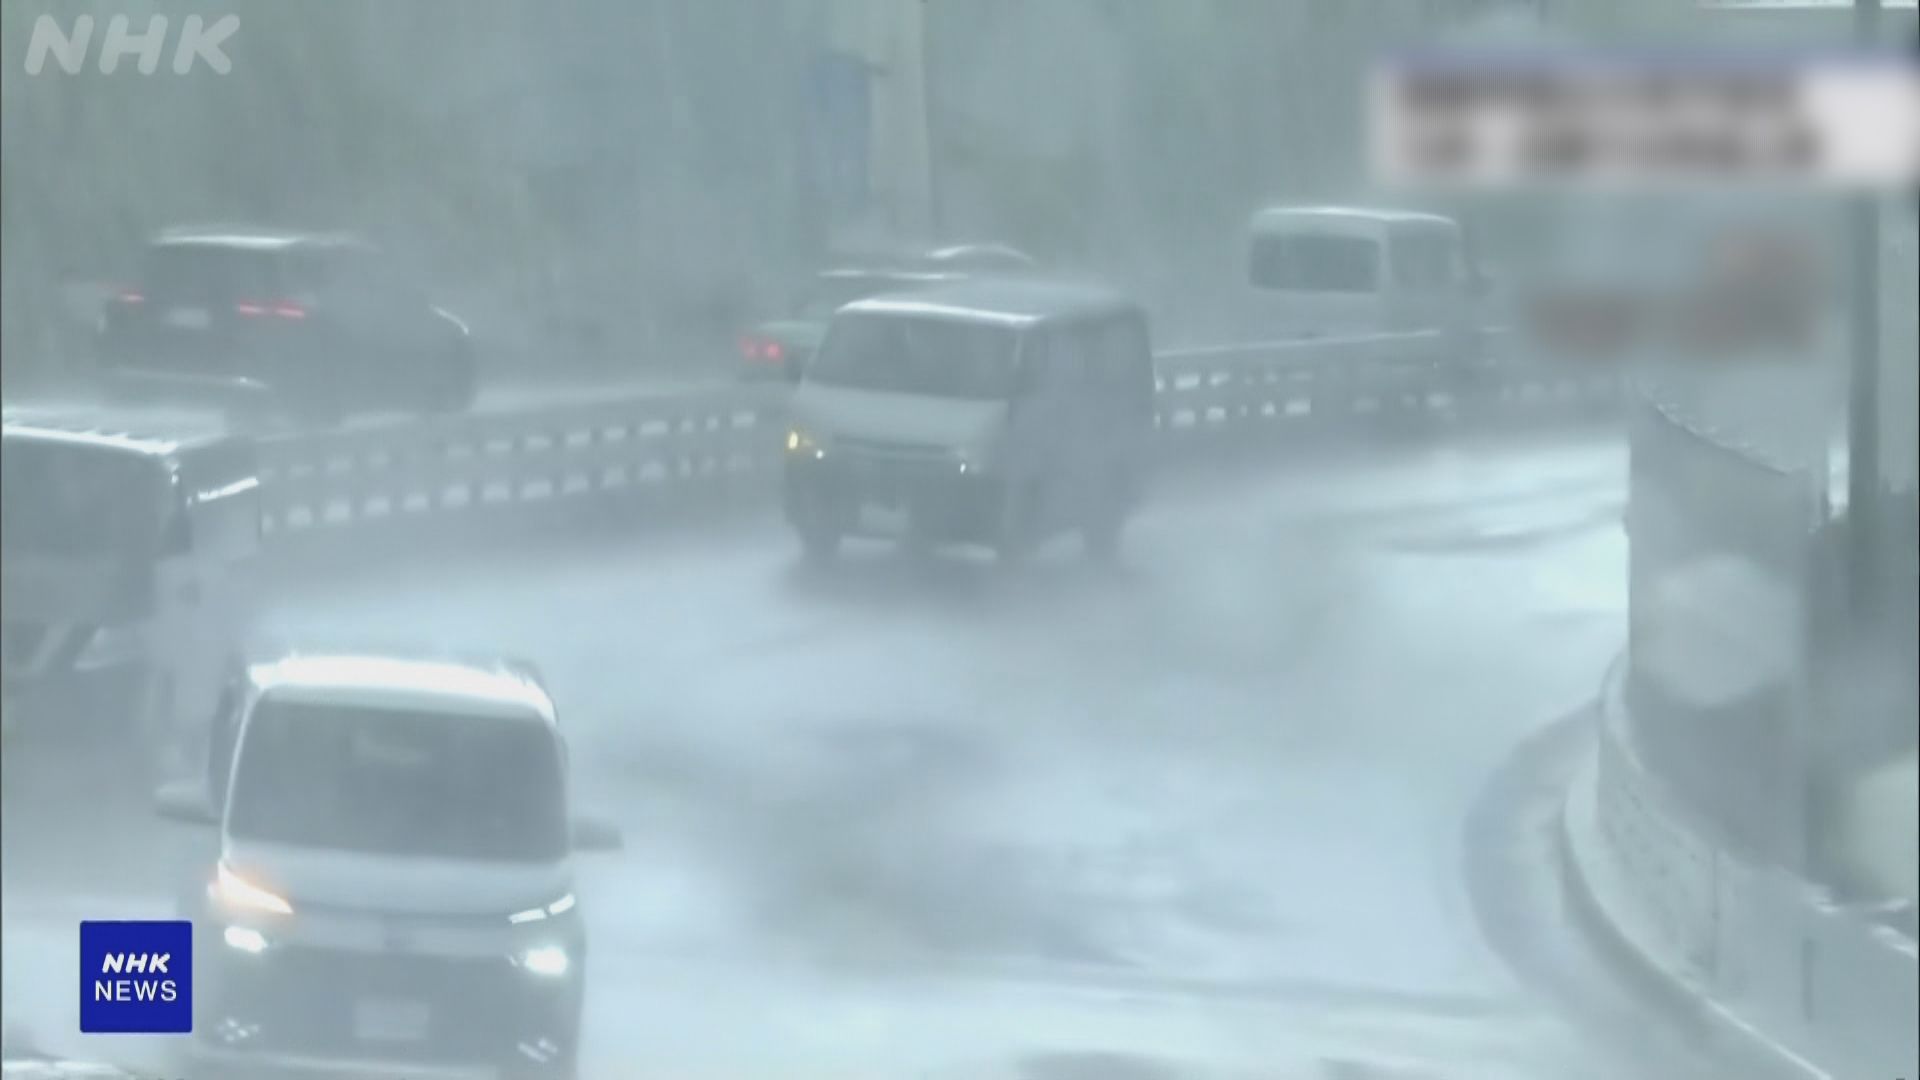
1197 815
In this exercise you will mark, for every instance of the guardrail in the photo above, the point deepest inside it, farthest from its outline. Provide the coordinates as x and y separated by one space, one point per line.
1795 982
660 444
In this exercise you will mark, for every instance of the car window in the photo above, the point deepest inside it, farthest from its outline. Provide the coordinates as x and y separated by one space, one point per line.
392 782
1423 260
1073 354
209 275
931 356
1309 262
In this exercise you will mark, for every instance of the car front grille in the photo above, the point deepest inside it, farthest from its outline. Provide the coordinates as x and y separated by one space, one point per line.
304 1000
890 452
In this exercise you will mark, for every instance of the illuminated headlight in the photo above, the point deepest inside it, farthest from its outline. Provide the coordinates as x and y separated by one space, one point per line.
110 646
803 442
972 459
549 961
245 938
234 891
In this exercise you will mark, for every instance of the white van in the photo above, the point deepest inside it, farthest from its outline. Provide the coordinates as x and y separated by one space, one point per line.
128 577
1328 271
394 890
990 412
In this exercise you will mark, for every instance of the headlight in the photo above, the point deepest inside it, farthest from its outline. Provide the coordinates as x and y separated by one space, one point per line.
234 891
802 442
245 938
549 961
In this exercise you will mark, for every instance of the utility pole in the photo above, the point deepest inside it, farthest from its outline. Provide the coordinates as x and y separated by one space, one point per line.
930 116
1863 398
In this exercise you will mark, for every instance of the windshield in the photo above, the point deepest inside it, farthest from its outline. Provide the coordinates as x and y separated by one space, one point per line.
79 501
936 357
1305 262
388 782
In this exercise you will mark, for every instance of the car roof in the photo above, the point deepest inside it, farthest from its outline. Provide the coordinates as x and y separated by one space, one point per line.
1000 252
1274 216
494 688
892 273
253 238
158 436
1006 302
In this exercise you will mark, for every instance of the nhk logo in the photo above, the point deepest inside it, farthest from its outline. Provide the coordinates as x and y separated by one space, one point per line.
136 977
198 41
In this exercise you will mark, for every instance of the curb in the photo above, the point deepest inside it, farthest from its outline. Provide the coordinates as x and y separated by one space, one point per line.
1742 1045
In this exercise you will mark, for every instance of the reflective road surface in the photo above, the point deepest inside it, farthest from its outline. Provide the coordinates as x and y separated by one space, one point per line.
1198 815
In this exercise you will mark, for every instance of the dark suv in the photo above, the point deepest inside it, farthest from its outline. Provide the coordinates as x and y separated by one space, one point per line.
321 325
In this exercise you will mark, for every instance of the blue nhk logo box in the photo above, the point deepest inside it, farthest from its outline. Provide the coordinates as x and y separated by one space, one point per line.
136 978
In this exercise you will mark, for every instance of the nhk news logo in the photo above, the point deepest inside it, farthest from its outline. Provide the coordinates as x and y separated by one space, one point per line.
198 42
136 977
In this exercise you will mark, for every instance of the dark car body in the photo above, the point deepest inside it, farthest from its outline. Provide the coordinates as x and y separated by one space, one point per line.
319 325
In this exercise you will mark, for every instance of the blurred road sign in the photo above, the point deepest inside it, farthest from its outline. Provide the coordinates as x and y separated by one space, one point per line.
840 126
1501 118
1800 5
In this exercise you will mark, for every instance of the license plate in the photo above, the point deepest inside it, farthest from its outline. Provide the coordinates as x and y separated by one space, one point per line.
390 1020
189 318
883 519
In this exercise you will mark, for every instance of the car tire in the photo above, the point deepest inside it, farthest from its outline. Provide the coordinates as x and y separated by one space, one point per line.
1019 533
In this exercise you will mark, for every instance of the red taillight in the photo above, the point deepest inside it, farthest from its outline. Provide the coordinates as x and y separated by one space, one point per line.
754 348
282 310
130 296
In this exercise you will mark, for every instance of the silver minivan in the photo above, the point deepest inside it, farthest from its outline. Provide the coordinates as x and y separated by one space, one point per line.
394 892
1330 271
996 413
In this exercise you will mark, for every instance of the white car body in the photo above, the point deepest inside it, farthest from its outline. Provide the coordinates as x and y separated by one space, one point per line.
505 923
1416 275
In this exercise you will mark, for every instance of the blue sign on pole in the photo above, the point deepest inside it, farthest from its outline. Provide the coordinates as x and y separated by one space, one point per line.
841 107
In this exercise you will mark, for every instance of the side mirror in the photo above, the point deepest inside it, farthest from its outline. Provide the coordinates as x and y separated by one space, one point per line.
592 834
186 804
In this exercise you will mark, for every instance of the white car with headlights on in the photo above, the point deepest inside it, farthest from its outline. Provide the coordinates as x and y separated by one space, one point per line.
394 890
